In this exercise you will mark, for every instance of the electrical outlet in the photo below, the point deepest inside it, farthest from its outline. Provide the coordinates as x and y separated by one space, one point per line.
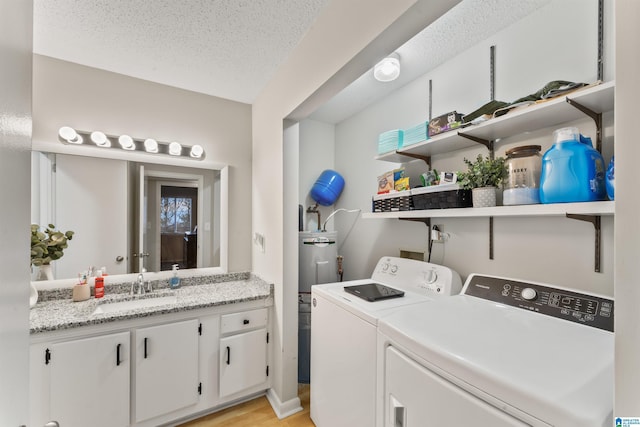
437 233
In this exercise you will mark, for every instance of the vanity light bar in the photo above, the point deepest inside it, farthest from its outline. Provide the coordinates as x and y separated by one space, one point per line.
69 135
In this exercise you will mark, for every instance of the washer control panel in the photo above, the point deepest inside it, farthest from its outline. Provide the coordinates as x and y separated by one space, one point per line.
591 310
417 276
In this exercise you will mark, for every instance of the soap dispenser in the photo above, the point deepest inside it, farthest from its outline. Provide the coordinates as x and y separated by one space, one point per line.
174 282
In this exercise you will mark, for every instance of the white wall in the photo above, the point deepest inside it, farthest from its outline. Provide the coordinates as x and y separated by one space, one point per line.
627 228
317 142
90 99
328 49
526 59
15 145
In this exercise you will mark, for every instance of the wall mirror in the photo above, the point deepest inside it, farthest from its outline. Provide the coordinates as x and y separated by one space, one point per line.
128 215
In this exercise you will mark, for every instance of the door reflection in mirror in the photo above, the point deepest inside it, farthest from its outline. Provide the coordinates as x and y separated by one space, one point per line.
106 202
177 211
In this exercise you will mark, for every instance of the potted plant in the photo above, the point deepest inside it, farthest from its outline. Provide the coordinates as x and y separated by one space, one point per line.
483 178
47 246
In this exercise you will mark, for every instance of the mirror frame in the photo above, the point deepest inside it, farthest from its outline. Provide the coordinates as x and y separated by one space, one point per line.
223 222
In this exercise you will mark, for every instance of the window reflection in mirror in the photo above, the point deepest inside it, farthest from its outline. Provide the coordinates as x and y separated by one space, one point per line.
104 203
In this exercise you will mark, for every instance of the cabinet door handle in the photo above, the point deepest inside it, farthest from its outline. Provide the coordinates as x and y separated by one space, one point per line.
146 354
228 355
398 413
245 322
118 354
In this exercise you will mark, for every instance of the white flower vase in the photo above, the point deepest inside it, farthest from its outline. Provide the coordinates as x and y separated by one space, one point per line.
33 296
484 197
45 272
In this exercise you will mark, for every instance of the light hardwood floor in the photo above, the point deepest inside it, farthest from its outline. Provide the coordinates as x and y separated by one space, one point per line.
257 413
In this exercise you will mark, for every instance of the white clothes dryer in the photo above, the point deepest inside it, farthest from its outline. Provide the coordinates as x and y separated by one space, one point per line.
343 334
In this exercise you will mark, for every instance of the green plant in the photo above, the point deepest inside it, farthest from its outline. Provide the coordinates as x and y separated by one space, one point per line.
49 245
484 172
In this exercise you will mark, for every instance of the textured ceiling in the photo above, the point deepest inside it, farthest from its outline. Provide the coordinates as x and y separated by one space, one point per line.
225 48
447 37
231 48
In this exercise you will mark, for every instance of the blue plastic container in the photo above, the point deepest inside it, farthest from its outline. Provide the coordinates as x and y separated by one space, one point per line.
572 171
610 179
327 188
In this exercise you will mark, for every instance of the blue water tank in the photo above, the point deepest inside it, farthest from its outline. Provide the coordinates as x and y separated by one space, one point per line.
327 188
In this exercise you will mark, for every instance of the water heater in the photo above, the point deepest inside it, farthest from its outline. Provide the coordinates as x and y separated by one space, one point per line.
318 263
318 254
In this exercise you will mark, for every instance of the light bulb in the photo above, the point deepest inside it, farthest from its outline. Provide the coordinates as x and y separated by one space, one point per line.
126 142
69 134
151 145
388 69
175 149
100 139
196 151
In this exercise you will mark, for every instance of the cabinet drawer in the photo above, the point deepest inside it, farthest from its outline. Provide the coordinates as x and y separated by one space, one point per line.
235 322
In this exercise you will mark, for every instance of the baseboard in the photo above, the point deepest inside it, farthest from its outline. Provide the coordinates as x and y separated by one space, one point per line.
285 409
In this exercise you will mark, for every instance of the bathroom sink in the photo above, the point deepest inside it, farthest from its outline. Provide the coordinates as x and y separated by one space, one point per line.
119 306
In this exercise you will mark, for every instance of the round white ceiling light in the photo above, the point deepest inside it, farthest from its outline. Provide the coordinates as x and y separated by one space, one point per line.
388 69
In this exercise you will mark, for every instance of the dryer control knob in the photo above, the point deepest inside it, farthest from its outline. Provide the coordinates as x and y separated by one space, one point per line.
529 294
394 268
385 266
430 276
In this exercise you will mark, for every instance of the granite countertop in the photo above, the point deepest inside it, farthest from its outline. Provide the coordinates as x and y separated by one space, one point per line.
56 310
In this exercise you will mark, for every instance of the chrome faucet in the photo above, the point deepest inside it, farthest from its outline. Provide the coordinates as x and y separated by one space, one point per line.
140 285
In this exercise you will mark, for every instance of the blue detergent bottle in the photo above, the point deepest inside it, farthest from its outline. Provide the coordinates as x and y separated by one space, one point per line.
572 171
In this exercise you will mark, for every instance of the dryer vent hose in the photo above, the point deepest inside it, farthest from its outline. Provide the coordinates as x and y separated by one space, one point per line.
340 270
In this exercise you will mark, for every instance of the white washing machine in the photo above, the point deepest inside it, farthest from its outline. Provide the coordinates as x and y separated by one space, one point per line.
502 353
343 334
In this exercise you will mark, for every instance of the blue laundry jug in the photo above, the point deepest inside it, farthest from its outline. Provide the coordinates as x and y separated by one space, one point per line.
610 180
572 171
327 188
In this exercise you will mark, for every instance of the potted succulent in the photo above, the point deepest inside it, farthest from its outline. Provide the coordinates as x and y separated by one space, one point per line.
483 178
47 246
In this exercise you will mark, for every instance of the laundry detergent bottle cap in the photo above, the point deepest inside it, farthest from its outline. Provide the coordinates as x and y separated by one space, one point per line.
566 134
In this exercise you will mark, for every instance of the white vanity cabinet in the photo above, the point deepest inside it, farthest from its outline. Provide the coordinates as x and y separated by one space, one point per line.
151 370
166 368
83 382
243 351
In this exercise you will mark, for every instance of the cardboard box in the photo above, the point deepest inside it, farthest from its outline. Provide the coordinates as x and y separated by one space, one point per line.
444 123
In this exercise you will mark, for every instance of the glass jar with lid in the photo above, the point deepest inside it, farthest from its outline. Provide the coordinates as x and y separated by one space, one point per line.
523 180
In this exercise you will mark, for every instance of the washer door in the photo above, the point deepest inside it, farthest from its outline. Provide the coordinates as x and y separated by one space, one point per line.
415 396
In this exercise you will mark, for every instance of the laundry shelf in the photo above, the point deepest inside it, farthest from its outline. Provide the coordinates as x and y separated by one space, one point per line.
549 113
555 209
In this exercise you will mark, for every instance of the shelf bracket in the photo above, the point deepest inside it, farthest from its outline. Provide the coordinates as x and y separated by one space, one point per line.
425 221
485 142
426 159
596 221
490 237
596 117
